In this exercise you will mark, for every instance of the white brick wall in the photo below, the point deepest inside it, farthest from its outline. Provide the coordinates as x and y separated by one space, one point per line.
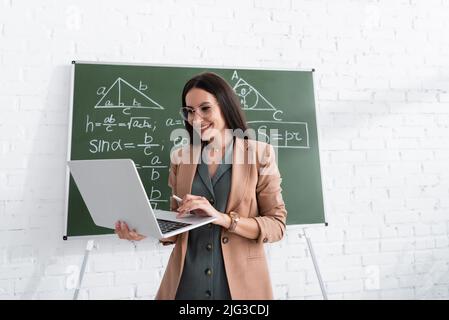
382 77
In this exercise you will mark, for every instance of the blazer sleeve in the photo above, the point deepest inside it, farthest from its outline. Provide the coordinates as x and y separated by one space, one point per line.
272 213
173 204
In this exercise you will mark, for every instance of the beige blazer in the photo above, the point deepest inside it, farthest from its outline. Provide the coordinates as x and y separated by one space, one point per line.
255 193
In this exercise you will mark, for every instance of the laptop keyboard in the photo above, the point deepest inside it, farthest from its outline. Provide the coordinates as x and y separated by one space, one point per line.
168 226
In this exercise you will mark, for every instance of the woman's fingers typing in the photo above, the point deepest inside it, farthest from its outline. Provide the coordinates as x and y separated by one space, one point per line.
186 203
198 205
190 197
188 200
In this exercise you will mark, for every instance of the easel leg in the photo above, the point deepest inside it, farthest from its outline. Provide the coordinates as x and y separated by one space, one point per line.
89 246
315 265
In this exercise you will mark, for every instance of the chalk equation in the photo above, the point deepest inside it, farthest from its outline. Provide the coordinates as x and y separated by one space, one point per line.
251 98
109 123
122 94
272 129
288 135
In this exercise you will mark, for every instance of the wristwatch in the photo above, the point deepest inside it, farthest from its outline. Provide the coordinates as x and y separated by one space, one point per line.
234 219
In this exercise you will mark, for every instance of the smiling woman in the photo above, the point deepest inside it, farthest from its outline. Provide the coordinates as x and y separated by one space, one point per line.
225 259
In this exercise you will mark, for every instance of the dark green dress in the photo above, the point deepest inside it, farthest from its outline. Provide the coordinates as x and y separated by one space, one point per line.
204 274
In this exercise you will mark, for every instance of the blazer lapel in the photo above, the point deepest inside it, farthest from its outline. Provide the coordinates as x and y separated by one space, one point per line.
203 172
187 171
226 165
222 168
240 174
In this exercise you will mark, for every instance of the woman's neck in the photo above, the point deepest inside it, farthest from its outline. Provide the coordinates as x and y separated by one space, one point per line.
216 148
223 140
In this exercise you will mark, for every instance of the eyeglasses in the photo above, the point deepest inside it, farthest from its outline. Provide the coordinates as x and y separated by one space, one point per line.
188 113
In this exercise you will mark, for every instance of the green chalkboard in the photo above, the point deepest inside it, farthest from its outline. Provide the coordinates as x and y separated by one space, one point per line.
129 111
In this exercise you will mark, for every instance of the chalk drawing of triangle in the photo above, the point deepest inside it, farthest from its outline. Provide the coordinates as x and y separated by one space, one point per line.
121 94
251 98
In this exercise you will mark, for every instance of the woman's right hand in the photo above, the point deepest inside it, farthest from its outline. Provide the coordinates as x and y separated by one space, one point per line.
123 232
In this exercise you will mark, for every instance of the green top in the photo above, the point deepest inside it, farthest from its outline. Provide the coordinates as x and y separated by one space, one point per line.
130 111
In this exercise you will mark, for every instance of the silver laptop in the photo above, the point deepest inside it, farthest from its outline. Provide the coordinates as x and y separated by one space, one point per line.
113 191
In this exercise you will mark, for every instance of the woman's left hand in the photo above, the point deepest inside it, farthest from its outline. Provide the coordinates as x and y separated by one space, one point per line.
200 206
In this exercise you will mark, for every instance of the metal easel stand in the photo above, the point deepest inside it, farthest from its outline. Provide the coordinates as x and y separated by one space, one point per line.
315 263
90 245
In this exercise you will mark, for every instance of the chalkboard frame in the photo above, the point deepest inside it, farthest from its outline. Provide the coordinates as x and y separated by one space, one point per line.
69 135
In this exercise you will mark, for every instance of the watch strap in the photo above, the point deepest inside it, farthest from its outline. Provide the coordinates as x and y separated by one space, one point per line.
234 220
